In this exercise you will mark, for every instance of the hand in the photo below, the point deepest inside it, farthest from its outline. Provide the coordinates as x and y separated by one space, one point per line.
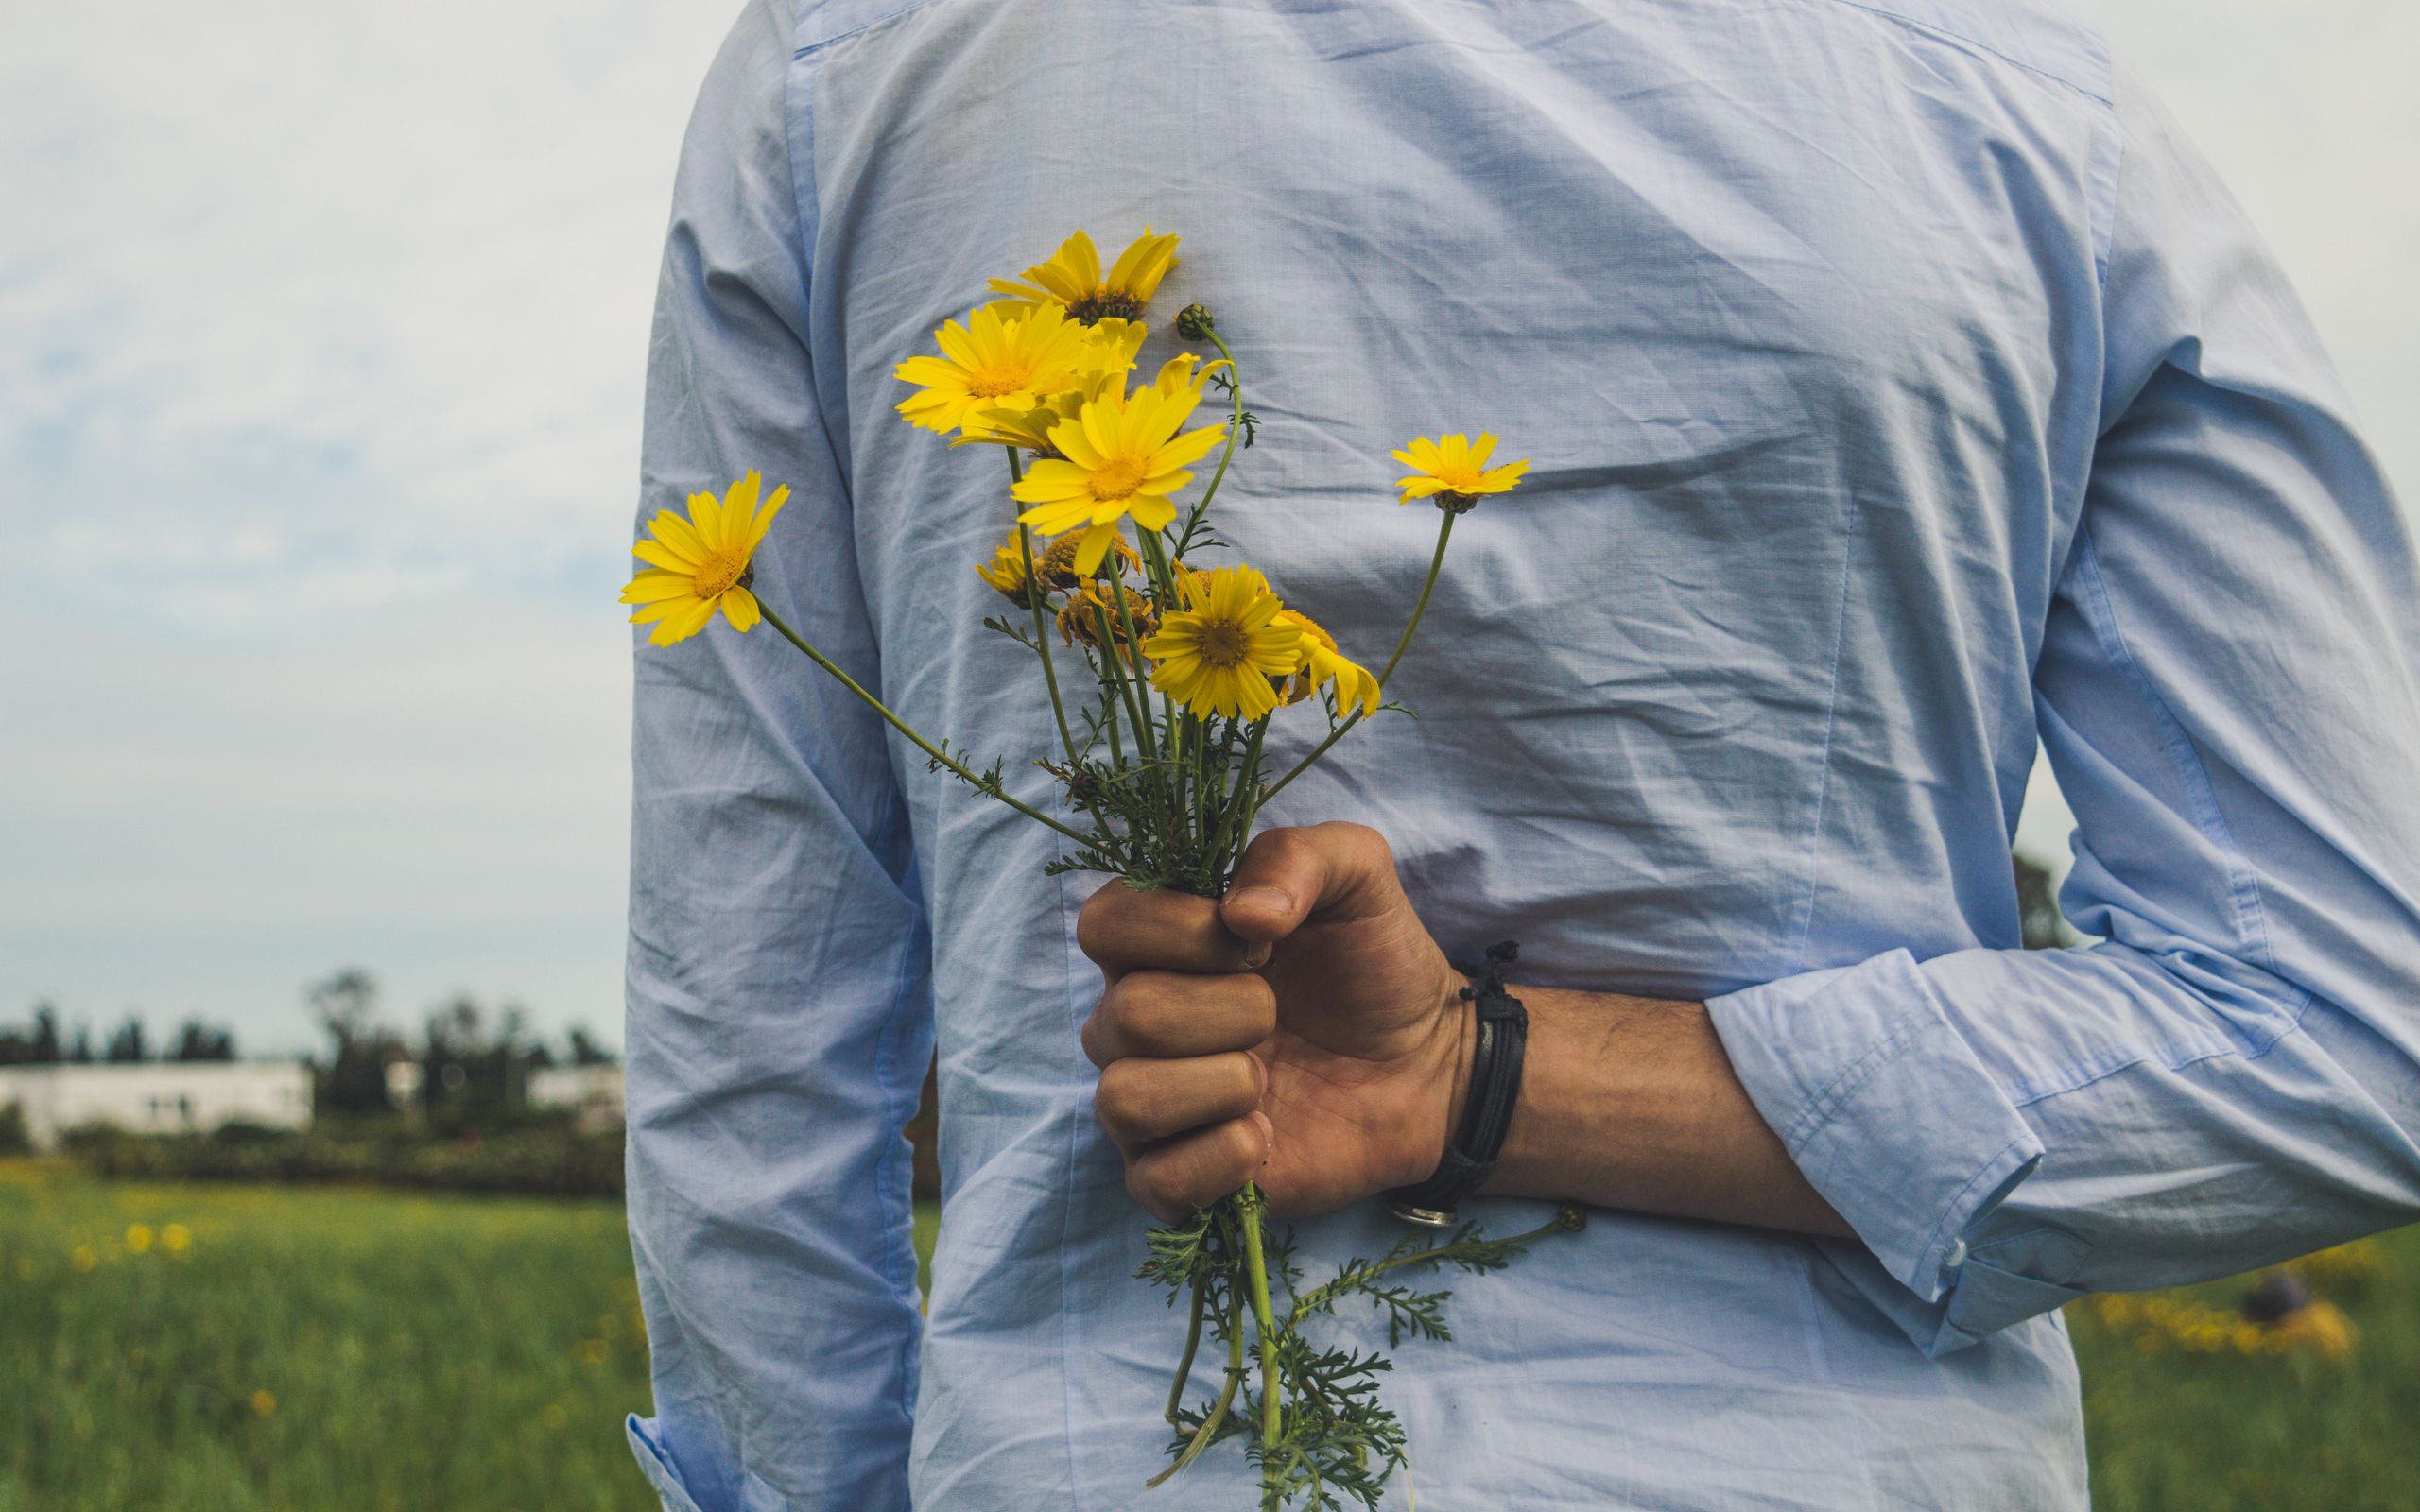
1305 1033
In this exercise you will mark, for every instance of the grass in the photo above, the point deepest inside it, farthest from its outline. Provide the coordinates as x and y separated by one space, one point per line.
315 1348
312 1348
2172 1427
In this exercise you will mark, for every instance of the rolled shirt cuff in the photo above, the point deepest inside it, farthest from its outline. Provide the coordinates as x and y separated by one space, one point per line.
1885 1109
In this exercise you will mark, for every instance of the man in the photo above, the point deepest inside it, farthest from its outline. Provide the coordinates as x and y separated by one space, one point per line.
1902 391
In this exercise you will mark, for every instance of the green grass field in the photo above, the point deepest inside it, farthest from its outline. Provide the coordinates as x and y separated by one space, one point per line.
196 1348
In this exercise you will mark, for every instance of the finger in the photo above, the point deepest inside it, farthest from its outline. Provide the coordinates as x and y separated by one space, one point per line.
1287 873
1170 1181
1126 928
1141 1102
1173 1014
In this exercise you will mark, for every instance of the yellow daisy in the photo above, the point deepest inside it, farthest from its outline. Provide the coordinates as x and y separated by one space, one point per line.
1176 374
1072 279
702 563
993 363
1108 356
1454 472
1006 572
1323 663
1120 457
1217 654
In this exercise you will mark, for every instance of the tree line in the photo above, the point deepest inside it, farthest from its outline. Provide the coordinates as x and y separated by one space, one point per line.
39 1042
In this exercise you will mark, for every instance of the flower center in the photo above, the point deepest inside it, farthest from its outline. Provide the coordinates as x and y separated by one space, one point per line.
1104 303
1117 479
991 383
720 573
1220 643
1459 479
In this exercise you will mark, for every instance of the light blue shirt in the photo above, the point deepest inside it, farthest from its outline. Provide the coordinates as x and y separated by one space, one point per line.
1902 391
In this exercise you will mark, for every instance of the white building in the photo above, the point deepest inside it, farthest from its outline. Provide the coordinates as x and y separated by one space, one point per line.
163 1098
594 1092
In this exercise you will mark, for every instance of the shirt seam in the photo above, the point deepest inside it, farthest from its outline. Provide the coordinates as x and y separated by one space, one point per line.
1827 1102
2251 934
898 1223
1943 33
868 25
1814 845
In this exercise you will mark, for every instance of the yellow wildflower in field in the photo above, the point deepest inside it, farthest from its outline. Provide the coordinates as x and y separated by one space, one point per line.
175 1238
1072 279
263 1402
1123 456
84 1258
138 1237
1323 663
1218 654
1454 472
993 363
702 563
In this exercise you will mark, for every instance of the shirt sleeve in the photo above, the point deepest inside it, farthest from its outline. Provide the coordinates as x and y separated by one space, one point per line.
779 1013
2229 693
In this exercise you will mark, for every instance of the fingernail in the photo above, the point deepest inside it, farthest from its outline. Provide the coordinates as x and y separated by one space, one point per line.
1262 897
1257 956
1268 1134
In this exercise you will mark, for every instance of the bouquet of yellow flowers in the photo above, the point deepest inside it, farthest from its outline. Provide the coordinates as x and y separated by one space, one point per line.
1162 677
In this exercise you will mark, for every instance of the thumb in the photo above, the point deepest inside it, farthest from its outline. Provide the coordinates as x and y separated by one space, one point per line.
1286 875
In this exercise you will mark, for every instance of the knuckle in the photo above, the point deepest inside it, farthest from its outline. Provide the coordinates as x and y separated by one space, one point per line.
1097 923
1255 1006
1362 843
1123 1100
1136 1006
1142 1184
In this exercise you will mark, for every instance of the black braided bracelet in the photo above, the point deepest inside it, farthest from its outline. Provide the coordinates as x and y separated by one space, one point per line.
1487 1114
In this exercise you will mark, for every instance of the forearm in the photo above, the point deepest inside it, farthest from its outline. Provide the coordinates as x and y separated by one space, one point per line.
1631 1103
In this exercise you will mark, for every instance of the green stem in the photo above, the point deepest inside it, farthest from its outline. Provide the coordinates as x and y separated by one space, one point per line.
1436 563
1264 1320
1192 1343
1041 633
1317 1296
1235 825
1234 428
1217 1416
940 758
1114 663
1170 784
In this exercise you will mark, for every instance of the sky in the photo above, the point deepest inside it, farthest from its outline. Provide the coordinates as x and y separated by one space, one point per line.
321 336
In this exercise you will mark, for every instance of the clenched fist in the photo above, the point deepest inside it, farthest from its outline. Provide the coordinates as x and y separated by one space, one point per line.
1305 1033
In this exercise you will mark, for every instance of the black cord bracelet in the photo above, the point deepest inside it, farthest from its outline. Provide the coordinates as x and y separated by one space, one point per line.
1487 1113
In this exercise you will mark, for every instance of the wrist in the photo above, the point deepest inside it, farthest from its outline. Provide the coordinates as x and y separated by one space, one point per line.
1443 1085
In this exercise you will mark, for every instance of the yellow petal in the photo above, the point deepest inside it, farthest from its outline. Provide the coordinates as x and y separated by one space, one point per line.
657 553
739 607
647 588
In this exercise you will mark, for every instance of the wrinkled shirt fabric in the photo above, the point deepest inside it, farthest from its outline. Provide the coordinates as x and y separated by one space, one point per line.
1903 392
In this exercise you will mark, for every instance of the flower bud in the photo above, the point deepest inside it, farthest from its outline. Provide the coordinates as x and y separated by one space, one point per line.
1193 322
